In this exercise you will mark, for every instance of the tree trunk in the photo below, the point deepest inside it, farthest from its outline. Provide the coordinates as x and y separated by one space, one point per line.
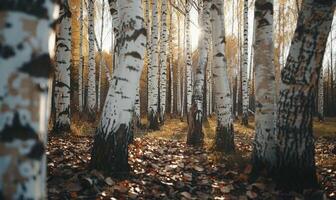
196 112
264 145
244 68
62 72
188 66
320 100
163 60
81 60
110 148
178 77
101 58
91 95
25 68
224 131
296 163
153 114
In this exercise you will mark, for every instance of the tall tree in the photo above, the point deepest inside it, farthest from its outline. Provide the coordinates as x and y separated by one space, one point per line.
24 66
264 145
224 131
196 112
153 88
320 100
295 167
62 70
91 94
244 67
188 60
81 59
110 148
100 55
163 59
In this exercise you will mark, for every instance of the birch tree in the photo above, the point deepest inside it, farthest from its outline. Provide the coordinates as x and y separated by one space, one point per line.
244 67
188 61
224 131
153 85
320 100
295 168
62 71
265 91
196 112
163 59
81 59
24 67
110 148
91 95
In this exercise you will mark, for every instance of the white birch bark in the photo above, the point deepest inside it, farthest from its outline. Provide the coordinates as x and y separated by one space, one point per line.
265 91
178 74
110 149
153 87
223 101
25 67
62 71
163 59
245 91
295 166
195 133
91 95
188 61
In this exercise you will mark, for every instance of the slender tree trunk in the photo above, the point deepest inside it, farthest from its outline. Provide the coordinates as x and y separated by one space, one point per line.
153 114
196 112
178 77
320 100
188 61
62 72
25 68
115 27
110 148
224 131
163 60
91 96
148 52
101 57
264 145
81 60
171 60
296 163
244 68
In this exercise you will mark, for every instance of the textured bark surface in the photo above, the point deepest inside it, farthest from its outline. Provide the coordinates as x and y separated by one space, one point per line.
25 28
245 92
62 71
264 144
110 148
296 163
196 112
222 91
163 59
91 105
188 61
153 83
81 60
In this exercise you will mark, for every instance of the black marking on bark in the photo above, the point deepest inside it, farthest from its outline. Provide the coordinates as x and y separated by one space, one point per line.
37 151
134 54
17 131
131 68
37 67
35 8
6 51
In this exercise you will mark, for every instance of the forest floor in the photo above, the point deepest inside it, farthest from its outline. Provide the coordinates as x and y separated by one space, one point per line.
164 167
